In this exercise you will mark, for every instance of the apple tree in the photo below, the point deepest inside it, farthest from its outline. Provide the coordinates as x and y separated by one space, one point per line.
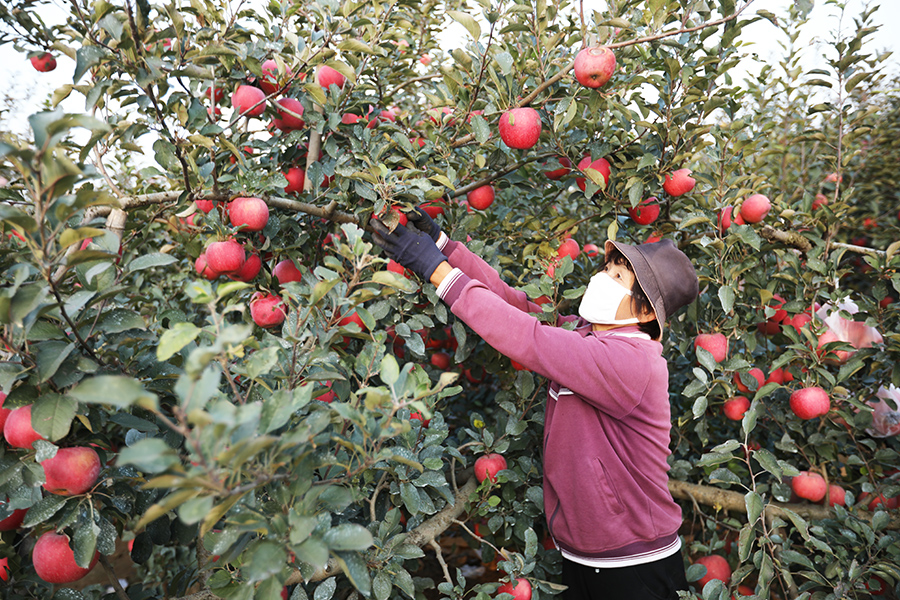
270 408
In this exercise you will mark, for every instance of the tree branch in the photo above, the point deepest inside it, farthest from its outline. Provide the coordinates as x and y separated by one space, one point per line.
120 591
734 501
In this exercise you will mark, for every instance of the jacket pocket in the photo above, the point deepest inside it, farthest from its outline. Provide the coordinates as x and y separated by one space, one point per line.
606 488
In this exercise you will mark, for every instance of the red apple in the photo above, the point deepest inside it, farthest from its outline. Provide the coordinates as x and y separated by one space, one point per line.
836 495
225 257
734 408
441 360
820 200
54 560
833 178
594 66
352 318
520 591
798 321
780 376
285 120
716 343
757 374
326 76
203 269
601 165
653 238
395 267
488 465
420 417
569 248
329 396
249 270
44 62
13 521
646 212
72 471
678 183
248 101
520 128
738 219
481 197
251 214
267 310
433 209
4 412
810 486
777 303
18 430
591 250
4 569
296 177
215 94
562 171
716 568
828 337
285 271
810 402
270 82
755 208
725 219
425 60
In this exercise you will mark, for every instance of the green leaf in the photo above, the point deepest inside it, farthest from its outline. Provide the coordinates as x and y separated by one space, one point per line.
726 297
390 370
147 261
754 505
768 462
354 567
85 58
150 455
116 390
466 21
43 510
481 129
85 543
175 338
195 509
193 392
119 320
52 416
265 560
348 536
50 355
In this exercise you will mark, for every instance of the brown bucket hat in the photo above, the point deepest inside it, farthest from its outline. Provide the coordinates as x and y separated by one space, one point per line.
664 272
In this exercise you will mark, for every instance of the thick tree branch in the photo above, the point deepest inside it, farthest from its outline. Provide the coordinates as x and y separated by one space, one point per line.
734 501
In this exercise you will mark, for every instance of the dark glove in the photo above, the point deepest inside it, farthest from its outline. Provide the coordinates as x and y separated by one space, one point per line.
420 219
413 249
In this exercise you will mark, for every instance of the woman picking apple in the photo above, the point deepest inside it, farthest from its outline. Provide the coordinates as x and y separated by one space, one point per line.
607 425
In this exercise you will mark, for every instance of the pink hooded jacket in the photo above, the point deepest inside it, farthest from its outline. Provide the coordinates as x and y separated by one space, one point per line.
607 426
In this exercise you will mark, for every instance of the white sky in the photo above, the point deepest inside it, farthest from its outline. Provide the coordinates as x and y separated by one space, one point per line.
30 89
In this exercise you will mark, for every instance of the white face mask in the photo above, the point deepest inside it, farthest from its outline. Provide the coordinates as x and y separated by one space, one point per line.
601 301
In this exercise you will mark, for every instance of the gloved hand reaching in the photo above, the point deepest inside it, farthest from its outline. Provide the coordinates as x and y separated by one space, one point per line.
424 223
413 249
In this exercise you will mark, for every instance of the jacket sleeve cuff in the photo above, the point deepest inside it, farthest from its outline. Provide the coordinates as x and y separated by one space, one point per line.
442 240
452 286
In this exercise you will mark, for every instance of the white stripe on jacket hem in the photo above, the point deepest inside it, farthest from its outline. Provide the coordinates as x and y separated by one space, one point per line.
625 561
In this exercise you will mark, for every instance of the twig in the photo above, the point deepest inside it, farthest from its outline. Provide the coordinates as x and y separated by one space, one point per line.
440 559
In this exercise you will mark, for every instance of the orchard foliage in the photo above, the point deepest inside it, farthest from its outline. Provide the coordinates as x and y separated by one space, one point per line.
329 453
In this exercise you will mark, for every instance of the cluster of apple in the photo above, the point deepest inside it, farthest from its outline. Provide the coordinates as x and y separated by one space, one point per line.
71 472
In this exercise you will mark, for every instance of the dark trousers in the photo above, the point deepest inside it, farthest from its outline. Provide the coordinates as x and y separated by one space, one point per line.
659 580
